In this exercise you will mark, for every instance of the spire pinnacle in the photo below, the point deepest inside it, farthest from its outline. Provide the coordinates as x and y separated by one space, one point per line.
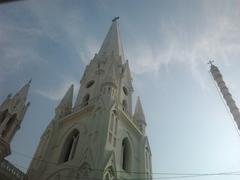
67 99
139 114
23 92
65 106
139 117
112 44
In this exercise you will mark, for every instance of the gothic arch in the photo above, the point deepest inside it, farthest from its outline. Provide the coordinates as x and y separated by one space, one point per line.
85 100
126 155
109 174
125 134
9 125
69 146
124 105
3 115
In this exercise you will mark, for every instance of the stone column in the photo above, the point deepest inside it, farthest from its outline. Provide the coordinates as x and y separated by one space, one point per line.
226 94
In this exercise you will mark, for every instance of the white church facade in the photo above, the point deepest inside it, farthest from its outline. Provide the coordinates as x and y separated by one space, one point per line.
98 137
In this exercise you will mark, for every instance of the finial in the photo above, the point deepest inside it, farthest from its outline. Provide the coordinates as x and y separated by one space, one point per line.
28 104
9 95
115 19
29 82
211 62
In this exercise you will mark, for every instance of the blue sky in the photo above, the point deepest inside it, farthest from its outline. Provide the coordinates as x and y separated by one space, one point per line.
168 44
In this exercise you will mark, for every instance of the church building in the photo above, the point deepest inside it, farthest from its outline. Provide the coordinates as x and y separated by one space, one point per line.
97 137
12 112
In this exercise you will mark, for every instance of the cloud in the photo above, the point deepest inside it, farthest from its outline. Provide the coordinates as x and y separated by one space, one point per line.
216 36
67 28
57 93
16 49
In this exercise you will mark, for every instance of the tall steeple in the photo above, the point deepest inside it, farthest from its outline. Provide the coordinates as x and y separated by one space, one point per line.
65 106
12 112
100 132
112 44
217 76
139 117
21 95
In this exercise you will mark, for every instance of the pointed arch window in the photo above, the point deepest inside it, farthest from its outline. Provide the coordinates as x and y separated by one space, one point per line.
112 134
3 116
85 100
125 90
109 174
124 105
9 125
148 162
90 83
70 147
126 155
146 158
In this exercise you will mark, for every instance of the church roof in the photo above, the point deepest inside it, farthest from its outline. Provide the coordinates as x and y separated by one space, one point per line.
112 43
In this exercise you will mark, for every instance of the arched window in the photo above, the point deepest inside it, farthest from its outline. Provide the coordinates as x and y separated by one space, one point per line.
70 146
126 155
125 91
112 134
146 158
85 100
3 115
89 84
109 174
9 125
116 126
124 105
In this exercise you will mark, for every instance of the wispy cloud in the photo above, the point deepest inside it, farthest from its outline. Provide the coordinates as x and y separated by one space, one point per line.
56 93
70 29
217 38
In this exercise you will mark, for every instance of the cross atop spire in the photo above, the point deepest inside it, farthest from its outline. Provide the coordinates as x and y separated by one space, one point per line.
211 62
115 19
112 44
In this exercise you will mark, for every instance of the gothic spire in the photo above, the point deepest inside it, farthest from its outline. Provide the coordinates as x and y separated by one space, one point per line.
139 114
23 92
139 117
112 44
66 101
127 74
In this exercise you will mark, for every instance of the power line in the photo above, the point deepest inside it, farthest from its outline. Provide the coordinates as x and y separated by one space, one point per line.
166 177
164 174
